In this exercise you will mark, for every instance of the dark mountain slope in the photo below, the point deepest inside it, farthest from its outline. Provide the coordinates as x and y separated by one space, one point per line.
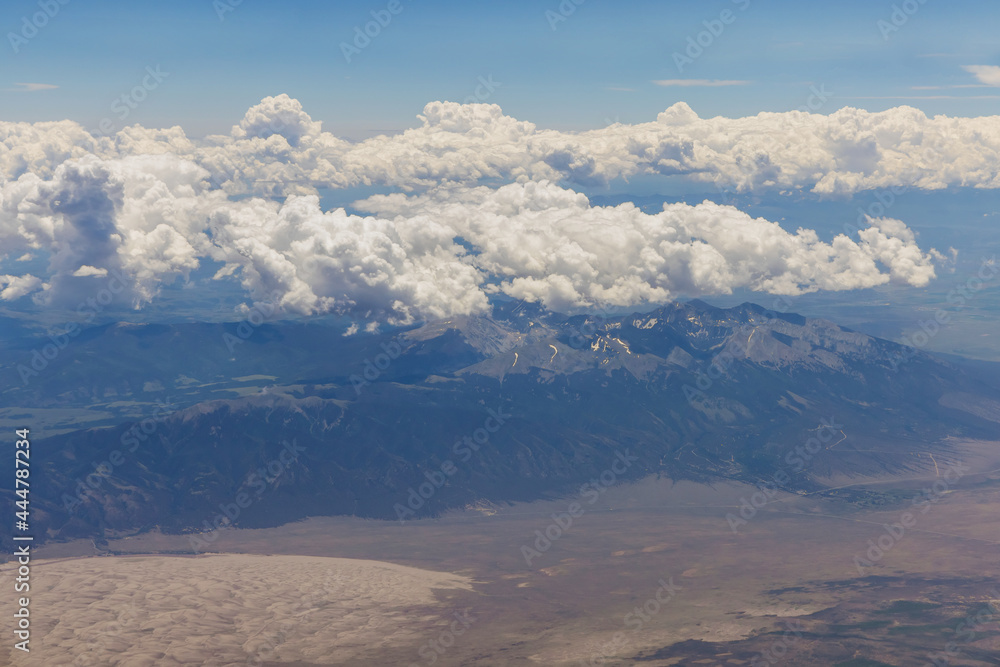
688 391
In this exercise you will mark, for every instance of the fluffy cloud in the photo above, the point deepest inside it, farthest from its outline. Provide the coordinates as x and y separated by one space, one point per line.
38 148
841 153
544 243
277 149
987 74
143 216
154 219
14 287
329 261
155 205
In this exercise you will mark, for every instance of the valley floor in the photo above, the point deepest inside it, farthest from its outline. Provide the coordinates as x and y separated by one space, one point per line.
652 573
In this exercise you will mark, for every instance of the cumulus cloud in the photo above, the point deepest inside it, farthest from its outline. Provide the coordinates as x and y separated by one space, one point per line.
153 220
330 261
278 149
149 207
837 154
89 271
544 243
142 216
14 287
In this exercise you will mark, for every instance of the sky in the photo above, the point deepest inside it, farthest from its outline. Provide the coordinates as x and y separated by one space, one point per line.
402 160
564 66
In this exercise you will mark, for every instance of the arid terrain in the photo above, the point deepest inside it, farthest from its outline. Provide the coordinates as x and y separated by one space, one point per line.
652 573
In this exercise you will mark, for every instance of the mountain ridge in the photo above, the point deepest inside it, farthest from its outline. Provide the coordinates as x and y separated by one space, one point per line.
692 391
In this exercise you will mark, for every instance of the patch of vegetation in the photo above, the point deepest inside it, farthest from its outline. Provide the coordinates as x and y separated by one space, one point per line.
863 625
929 629
909 607
870 499
790 589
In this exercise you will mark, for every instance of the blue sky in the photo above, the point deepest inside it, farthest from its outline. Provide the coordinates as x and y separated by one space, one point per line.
596 66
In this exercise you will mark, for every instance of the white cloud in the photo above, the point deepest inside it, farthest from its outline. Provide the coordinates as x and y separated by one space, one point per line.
986 74
14 287
709 83
154 205
277 149
85 271
442 253
929 97
143 215
329 261
548 244
31 87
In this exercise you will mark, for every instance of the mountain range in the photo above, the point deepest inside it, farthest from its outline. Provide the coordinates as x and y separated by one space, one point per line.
203 425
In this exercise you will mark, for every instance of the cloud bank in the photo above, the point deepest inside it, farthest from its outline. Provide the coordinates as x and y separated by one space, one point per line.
278 149
485 208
